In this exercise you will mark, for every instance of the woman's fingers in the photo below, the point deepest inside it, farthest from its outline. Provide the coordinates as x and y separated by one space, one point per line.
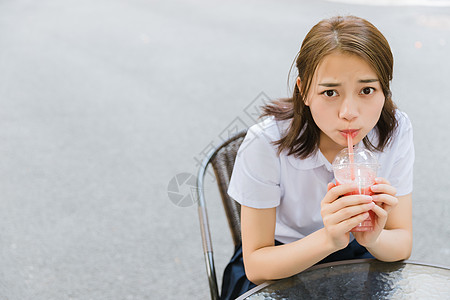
345 201
385 199
383 189
383 186
384 194
347 225
380 212
386 202
337 191
382 180
347 213
341 210
330 186
349 201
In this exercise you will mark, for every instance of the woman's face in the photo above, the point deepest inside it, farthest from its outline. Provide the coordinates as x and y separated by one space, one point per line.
345 97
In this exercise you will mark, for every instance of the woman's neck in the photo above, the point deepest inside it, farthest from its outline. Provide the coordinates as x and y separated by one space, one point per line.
329 148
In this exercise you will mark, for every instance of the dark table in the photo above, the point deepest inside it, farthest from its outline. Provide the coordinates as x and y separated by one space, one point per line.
360 279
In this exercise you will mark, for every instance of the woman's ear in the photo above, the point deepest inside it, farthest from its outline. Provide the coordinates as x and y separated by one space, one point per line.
299 83
299 86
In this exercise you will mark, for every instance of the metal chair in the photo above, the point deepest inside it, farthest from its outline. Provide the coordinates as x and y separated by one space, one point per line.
222 160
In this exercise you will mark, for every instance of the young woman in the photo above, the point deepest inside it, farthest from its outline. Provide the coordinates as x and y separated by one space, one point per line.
293 215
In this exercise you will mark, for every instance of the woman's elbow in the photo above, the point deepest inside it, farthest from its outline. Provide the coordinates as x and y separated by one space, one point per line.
407 249
408 252
253 275
255 271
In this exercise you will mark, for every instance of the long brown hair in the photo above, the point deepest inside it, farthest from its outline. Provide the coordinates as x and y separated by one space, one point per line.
350 35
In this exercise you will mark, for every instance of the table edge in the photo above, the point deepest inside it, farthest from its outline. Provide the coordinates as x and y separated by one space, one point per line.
337 263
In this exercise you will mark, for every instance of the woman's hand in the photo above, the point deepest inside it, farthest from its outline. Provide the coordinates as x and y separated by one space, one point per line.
384 197
341 213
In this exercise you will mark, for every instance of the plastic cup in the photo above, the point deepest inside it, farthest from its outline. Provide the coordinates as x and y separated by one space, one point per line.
360 169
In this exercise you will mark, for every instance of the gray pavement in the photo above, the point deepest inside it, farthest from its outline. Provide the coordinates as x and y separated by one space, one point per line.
103 102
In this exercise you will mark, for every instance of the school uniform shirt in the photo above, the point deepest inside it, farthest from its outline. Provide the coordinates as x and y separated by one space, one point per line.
263 179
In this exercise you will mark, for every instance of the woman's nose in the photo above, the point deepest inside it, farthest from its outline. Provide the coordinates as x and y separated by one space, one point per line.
348 109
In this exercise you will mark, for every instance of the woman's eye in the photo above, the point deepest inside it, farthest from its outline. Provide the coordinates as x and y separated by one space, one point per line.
330 93
367 90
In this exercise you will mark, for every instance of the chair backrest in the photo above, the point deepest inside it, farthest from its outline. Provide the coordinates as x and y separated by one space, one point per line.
222 160
223 163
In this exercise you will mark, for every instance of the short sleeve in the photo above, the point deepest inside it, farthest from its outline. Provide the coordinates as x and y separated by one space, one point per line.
255 181
401 176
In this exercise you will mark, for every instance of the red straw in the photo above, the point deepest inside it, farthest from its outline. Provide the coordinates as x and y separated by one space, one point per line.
350 155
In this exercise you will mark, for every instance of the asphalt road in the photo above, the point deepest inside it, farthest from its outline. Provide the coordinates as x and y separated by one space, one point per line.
103 103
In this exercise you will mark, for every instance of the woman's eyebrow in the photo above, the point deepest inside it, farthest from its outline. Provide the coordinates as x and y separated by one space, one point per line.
367 80
335 84
326 84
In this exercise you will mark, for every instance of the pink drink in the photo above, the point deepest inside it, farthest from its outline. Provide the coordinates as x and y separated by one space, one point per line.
365 178
359 167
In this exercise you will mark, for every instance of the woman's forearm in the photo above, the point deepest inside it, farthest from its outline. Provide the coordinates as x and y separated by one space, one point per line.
286 260
392 245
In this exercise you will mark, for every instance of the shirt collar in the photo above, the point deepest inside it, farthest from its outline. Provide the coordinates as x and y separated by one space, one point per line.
316 160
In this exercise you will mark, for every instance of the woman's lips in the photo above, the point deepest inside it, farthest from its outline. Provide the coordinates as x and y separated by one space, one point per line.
352 132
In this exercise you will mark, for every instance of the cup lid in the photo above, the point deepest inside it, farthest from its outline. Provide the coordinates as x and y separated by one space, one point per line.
361 156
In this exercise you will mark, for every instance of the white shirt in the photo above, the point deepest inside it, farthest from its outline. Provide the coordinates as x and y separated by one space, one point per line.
296 187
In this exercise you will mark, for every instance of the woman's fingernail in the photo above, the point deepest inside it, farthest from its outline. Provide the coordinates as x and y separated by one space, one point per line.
368 198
